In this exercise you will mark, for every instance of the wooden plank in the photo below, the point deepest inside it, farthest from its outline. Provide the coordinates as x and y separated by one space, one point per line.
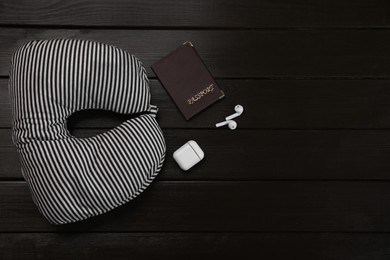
280 206
289 104
203 13
261 155
240 53
195 246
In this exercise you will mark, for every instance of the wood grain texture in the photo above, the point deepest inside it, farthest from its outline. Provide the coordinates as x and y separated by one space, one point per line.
239 53
260 155
269 104
305 175
139 246
315 206
203 13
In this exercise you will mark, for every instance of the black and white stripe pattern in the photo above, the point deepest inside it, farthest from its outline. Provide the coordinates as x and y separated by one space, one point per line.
72 179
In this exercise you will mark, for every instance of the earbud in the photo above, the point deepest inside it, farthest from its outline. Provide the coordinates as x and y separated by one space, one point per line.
239 109
232 124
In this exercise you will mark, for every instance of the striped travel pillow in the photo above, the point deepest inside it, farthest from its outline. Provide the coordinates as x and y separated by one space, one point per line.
71 178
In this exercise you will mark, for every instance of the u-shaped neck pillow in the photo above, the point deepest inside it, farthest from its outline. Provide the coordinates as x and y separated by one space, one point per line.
71 178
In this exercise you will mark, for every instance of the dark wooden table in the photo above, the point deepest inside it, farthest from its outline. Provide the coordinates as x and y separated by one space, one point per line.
305 175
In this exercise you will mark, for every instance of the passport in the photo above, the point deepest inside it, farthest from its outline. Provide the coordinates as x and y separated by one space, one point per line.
187 80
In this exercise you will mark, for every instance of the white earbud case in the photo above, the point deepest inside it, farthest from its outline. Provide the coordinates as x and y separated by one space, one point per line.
188 155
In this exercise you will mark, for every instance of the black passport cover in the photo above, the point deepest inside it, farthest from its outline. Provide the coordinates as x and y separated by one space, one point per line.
187 80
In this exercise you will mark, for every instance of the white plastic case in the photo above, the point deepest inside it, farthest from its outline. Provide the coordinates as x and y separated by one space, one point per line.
188 155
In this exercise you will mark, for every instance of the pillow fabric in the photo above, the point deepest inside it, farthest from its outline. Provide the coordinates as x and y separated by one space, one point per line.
71 178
